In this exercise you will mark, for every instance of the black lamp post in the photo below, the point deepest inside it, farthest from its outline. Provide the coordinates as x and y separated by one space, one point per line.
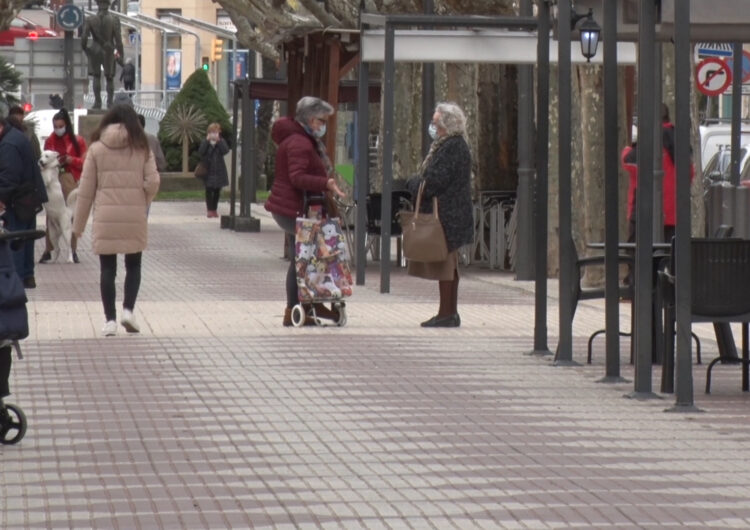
589 31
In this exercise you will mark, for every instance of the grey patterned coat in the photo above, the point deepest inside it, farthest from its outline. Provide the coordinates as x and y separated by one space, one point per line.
448 176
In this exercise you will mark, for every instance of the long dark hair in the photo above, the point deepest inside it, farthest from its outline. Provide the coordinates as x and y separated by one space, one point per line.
63 115
125 115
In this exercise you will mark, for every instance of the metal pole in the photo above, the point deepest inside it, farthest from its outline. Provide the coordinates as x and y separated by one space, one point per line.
644 201
524 201
137 59
658 183
683 79
248 126
385 210
542 182
238 89
428 90
736 111
611 168
363 166
565 343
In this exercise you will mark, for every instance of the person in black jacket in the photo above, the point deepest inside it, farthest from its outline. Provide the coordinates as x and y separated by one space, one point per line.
446 171
18 169
127 75
212 150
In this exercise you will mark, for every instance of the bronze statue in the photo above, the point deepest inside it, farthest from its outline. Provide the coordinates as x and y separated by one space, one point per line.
105 48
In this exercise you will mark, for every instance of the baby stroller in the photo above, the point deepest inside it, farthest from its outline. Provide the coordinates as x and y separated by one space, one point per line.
14 326
322 264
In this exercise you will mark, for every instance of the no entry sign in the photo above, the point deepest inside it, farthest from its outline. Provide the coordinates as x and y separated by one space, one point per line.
713 76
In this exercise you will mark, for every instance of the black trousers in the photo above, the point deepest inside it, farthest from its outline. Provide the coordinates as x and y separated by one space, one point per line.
212 198
5 361
108 274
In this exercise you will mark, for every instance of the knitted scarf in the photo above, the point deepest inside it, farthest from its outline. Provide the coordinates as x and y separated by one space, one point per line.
436 144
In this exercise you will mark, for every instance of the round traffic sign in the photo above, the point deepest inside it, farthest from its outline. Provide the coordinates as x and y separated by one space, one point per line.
745 65
70 17
713 76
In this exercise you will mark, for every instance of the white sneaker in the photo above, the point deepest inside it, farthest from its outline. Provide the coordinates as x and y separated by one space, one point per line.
110 328
128 321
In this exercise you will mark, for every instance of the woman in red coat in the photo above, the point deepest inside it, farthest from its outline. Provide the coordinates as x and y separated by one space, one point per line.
71 149
302 165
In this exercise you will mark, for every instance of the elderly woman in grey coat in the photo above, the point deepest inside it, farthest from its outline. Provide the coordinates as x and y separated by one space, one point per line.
212 150
446 172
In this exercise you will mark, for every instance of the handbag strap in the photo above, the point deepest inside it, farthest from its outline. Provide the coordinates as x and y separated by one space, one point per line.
419 202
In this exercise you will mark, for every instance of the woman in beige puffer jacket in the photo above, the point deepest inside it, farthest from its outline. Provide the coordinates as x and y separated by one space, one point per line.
119 180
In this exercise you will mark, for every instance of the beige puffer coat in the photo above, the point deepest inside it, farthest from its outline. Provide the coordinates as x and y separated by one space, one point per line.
120 183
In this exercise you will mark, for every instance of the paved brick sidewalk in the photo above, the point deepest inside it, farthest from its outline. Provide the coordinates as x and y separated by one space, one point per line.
216 416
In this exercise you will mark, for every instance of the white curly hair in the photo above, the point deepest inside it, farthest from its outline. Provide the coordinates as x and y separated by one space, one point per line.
451 118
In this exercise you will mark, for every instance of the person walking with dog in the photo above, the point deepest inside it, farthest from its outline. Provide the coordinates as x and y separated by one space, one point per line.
212 150
119 180
71 149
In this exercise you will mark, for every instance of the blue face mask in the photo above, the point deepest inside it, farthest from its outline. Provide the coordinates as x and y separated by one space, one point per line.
432 131
320 133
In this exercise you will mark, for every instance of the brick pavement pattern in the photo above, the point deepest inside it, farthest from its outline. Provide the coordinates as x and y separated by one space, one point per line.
216 416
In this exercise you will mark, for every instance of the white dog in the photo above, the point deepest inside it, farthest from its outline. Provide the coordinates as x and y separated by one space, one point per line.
59 212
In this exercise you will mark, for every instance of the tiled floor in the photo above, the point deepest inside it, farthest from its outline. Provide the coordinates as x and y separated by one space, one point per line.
215 416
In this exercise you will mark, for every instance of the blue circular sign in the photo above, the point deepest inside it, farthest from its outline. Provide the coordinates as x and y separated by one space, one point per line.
70 17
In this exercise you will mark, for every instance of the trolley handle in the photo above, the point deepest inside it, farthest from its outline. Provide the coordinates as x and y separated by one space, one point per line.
310 199
21 235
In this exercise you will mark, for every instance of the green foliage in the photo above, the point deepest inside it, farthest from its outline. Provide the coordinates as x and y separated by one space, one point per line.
199 93
10 80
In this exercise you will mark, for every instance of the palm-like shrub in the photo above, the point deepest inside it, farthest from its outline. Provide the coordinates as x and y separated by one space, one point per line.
185 124
10 79
198 92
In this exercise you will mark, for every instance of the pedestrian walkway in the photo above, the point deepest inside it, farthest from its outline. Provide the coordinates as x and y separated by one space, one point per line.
216 416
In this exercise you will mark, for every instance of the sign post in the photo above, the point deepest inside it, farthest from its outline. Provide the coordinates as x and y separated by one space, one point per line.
69 18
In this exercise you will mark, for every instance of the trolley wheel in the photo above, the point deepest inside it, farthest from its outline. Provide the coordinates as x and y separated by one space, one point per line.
341 308
298 316
13 426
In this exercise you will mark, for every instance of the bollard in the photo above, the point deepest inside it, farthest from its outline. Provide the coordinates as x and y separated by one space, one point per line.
742 213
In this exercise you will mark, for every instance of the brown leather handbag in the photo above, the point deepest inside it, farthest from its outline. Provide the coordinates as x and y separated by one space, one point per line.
424 239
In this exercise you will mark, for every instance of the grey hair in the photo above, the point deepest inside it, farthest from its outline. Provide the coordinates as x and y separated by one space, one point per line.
311 107
452 118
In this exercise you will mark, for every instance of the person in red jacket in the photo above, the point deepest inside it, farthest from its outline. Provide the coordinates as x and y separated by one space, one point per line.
71 149
302 165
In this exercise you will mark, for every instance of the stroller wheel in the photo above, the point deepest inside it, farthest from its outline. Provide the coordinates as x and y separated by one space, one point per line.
341 308
298 316
12 425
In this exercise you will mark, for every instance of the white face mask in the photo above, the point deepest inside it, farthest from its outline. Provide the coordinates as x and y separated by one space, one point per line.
60 131
320 133
432 131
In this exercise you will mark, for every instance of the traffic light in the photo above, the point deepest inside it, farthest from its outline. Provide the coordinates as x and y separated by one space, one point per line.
204 63
217 46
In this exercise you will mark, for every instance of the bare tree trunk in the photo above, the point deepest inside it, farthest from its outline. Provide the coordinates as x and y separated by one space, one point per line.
592 135
553 232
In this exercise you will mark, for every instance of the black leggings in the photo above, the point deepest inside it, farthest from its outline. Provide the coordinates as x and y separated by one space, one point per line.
5 361
212 198
107 282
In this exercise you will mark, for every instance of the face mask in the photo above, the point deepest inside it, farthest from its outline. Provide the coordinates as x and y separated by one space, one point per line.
320 133
60 131
432 131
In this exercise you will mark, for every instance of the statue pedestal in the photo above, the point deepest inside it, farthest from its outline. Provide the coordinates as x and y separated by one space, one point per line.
88 124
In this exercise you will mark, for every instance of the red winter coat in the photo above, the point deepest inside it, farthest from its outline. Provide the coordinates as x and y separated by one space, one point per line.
299 168
64 146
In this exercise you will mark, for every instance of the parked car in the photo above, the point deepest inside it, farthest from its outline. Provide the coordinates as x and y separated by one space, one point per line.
716 135
718 168
23 28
